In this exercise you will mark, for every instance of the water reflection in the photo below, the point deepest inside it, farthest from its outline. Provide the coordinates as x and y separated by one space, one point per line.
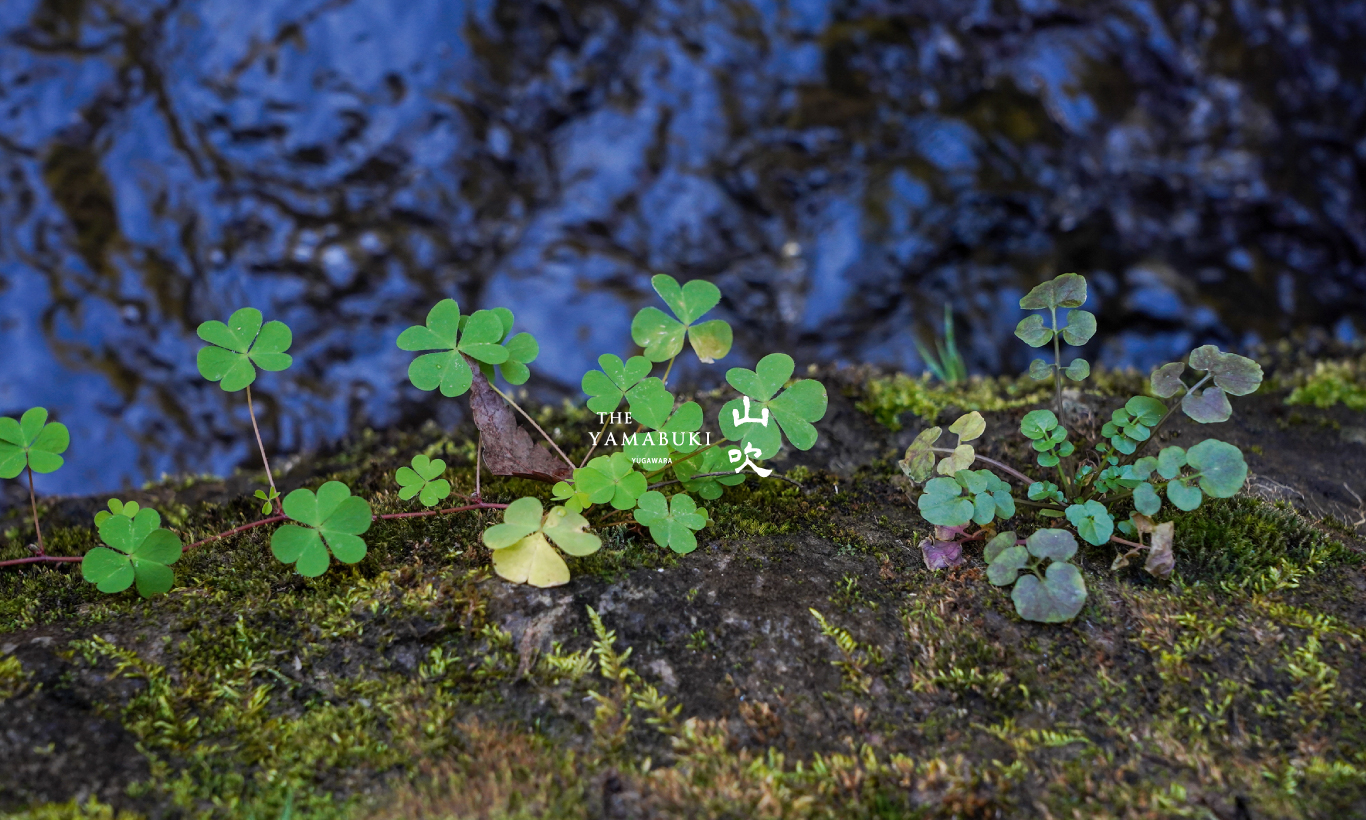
838 169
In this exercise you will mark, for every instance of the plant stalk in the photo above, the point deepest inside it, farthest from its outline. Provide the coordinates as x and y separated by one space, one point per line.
33 500
533 423
423 513
992 462
251 411
689 456
589 454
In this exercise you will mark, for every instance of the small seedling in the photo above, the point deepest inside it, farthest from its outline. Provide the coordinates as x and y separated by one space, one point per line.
267 499
423 480
139 551
1051 596
946 363
34 444
672 521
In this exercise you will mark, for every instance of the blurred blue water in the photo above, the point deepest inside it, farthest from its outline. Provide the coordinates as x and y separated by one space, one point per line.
840 170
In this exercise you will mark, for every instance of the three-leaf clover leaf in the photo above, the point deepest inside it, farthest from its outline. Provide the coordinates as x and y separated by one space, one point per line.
267 499
333 520
522 350
755 419
117 507
667 431
141 553
443 332
713 460
661 335
611 479
521 545
672 521
1093 522
423 480
237 348
617 379
31 442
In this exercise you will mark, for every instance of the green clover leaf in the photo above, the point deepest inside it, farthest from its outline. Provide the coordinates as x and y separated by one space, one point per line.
663 437
611 479
617 380
521 545
31 442
448 369
268 499
522 350
423 480
333 520
751 420
117 507
662 335
671 521
1093 522
141 553
574 500
1056 598
236 349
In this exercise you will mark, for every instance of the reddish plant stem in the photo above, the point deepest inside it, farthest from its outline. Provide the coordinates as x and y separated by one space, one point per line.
274 519
993 463
41 559
1134 544
33 500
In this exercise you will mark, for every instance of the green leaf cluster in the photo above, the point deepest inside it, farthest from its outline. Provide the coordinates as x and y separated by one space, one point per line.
237 348
1048 437
1052 596
976 496
919 458
454 337
1068 292
611 479
1133 423
31 442
139 552
793 410
1216 469
521 545
522 350
423 481
661 335
672 521
330 523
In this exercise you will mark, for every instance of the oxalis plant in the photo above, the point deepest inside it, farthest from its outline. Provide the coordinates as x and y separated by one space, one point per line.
1091 479
649 474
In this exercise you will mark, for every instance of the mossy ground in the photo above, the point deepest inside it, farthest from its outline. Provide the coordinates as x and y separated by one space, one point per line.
801 663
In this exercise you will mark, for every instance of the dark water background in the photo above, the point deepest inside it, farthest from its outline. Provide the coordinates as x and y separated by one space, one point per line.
839 168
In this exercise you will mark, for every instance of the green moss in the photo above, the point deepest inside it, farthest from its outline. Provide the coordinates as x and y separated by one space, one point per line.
886 399
90 810
1331 383
1241 543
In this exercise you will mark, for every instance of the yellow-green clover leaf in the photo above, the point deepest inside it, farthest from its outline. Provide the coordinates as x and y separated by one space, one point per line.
751 420
477 337
236 349
141 553
31 442
672 521
332 519
423 480
521 545
661 335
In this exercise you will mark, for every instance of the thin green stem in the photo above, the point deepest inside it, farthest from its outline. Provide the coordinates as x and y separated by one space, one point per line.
478 453
689 456
533 423
1171 408
595 443
668 369
251 411
33 500
1057 365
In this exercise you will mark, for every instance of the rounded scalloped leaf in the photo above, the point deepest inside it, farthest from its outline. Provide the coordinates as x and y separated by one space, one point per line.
1037 423
1145 410
942 503
1220 465
918 462
1005 567
1032 332
688 302
968 427
1056 544
1040 370
662 335
1093 522
1166 380
1081 326
1183 496
961 459
32 442
765 380
1236 375
1146 499
1078 370
1057 598
998 543
476 336
1170 461
1209 406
